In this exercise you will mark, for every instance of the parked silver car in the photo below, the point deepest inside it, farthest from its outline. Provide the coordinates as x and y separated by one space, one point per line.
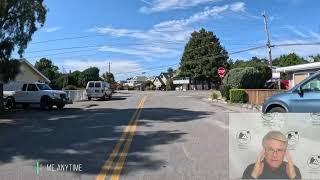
98 89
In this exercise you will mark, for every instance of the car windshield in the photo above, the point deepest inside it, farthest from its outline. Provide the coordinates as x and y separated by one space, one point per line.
44 87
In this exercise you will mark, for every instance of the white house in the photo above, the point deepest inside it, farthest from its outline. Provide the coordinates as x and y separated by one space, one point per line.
28 74
298 73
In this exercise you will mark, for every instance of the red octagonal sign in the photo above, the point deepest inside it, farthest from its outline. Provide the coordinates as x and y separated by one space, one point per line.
221 71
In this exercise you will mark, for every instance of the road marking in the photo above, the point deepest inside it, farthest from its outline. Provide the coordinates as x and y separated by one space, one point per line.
119 166
108 164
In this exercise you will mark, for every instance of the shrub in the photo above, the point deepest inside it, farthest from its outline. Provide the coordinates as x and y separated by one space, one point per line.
244 78
70 87
214 95
225 91
238 96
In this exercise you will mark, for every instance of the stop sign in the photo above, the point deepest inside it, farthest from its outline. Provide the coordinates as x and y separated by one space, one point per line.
221 71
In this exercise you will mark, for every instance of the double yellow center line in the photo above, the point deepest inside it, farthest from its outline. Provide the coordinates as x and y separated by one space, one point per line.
126 138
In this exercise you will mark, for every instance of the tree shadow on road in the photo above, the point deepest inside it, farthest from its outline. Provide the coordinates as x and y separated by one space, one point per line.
86 136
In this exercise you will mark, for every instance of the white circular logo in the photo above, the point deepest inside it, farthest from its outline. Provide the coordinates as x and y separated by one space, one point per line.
314 161
244 136
293 137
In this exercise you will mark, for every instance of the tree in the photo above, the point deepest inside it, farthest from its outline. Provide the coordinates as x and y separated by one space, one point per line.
74 78
202 57
316 58
170 70
108 77
260 64
90 74
169 85
289 60
19 19
47 68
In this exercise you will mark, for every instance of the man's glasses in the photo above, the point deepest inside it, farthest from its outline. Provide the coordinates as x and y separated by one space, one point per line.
272 151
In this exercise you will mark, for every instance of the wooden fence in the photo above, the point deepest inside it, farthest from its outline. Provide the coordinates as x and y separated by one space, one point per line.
257 96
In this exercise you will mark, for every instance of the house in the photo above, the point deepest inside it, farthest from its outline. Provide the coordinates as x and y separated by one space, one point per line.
161 80
298 73
135 81
158 83
28 74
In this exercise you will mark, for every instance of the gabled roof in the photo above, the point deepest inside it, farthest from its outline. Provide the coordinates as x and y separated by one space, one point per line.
309 66
33 68
158 77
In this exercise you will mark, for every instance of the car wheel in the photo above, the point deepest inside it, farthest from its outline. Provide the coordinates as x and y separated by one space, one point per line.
10 103
61 106
277 110
46 103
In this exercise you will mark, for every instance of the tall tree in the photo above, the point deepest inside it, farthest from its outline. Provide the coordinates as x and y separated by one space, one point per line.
202 57
289 60
316 58
108 77
47 68
90 74
170 70
19 19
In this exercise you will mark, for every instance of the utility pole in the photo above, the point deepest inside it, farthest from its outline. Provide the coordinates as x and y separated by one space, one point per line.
109 67
268 38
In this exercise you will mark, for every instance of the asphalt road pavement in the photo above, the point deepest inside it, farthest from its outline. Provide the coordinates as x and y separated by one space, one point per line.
136 135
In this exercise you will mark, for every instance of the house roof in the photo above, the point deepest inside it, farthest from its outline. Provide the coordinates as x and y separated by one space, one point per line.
157 77
33 68
309 66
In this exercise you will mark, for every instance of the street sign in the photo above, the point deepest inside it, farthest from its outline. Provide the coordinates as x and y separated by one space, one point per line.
221 71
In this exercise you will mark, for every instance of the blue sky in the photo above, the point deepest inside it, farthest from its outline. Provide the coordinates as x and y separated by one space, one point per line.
149 35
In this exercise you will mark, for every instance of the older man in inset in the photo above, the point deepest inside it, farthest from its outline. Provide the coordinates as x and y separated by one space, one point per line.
270 163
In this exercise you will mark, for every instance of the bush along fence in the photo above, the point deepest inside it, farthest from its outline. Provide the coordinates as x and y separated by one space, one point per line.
250 96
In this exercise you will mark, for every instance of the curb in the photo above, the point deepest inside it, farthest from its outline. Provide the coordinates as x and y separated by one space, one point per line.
246 106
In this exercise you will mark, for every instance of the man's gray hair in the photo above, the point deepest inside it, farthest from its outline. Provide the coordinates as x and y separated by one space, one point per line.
275 135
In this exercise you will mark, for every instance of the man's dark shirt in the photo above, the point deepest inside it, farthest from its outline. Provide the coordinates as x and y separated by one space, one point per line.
267 173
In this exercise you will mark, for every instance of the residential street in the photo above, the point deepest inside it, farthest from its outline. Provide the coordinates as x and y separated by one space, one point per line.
136 135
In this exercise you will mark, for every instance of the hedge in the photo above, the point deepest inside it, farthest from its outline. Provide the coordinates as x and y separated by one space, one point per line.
244 78
225 91
238 96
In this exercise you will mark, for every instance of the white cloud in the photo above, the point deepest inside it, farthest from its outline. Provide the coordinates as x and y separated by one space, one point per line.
119 67
238 7
315 35
167 38
296 31
166 5
52 29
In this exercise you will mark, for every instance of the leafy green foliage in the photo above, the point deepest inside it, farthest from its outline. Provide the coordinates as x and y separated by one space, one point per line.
288 60
108 77
18 22
90 74
148 84
8 70
225 91
260 64
47 68
169 85
246 78
316 58
238 96
202 57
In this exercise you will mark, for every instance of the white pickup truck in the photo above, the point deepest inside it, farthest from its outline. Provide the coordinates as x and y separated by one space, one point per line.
36 93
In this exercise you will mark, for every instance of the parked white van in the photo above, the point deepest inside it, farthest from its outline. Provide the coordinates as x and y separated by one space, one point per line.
98 89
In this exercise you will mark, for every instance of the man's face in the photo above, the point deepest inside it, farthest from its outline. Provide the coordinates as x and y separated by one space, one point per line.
274 153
